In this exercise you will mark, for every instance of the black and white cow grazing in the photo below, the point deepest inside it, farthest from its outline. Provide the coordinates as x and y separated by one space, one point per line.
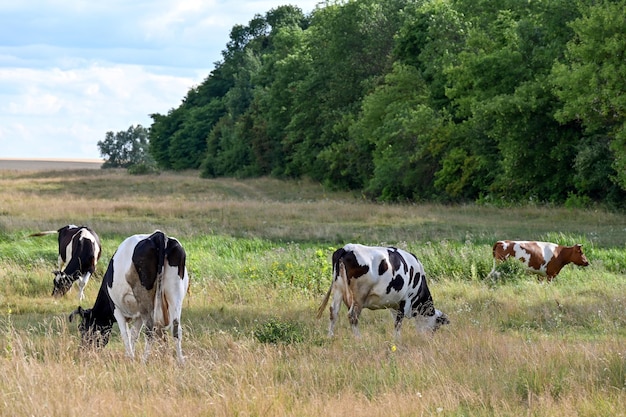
144 285
380 277
79 252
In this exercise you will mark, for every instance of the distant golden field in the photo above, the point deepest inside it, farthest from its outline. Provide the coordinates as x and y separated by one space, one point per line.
259 260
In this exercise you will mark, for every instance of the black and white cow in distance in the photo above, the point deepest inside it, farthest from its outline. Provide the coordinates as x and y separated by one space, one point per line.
144 285
79 252
380 277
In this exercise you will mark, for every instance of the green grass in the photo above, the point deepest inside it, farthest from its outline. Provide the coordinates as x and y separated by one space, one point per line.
259 260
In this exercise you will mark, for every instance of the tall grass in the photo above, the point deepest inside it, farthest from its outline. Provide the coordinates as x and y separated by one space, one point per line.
259 258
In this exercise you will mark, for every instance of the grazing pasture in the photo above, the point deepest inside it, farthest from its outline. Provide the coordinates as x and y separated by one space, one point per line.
258 256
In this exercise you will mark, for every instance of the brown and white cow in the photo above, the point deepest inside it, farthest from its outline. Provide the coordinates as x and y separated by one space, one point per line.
542 258
144 285
79 252
380 278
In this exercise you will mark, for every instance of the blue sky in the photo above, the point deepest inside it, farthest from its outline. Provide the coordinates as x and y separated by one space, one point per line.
72 70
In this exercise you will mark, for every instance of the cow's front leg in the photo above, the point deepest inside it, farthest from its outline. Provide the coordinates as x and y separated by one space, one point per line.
82 282
353 315
399 316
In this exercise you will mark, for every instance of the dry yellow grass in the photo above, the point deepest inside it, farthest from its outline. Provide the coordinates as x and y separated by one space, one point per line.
511 350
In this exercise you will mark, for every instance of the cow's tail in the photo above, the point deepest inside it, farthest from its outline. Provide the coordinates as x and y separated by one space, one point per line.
349 298
320 309
495 257
341 268
161 315
47 232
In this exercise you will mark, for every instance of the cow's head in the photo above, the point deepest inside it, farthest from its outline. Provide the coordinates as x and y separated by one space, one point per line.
579 257
62 283
430 320
440 320
93 334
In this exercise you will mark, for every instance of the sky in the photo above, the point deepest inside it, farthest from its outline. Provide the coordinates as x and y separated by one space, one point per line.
73 70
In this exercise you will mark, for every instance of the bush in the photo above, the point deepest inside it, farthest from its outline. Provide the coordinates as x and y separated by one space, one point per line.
143 168
276 331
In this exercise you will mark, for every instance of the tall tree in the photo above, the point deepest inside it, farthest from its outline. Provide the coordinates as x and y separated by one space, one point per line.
125 148
590 83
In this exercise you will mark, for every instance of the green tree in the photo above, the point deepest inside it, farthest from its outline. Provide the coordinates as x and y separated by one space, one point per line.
125 148
397 126
178 139
248 141
348 50
502 105
589 81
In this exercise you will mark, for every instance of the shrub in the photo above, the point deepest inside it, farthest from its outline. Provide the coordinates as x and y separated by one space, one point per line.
276 331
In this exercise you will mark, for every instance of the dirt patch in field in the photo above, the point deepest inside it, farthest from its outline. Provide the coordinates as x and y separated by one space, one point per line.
18 164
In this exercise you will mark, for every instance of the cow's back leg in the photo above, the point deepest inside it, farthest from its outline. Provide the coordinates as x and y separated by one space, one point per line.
150 334
353 315
335 305
135 330
177 333
126 334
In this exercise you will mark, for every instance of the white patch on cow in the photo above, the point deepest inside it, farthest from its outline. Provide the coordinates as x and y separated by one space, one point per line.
521 253
547 250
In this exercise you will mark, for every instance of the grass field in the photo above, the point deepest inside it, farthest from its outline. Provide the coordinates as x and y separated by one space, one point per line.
259 260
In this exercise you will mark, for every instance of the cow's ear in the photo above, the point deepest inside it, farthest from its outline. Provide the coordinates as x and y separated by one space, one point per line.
78 311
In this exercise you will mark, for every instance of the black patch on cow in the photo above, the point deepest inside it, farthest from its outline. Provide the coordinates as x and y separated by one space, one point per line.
422 302
65 235
400 314
401 306
411 273
397 261
176 256
148 258
336 257
353 269
83 256
383 267
397 283
416 279
97 322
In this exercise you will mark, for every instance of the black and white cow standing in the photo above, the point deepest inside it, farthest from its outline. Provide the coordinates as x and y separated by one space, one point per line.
380 277
144 285
79 252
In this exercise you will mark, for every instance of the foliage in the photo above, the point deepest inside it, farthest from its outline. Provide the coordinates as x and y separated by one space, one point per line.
278 331
589 81
452 100
125 149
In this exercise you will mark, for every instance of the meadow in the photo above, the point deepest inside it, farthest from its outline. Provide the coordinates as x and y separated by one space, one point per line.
259 261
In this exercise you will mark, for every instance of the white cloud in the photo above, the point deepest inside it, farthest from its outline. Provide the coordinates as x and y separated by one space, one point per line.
71 70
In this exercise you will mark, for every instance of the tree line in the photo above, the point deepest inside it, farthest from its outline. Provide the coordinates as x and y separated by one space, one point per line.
417 100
